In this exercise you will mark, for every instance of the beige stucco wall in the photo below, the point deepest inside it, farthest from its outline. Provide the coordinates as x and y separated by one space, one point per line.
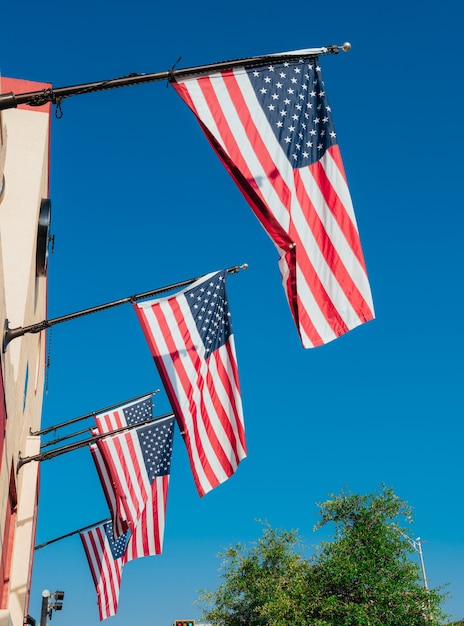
22 302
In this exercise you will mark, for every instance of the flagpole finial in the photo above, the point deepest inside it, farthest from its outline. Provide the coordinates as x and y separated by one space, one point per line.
237 268
346 47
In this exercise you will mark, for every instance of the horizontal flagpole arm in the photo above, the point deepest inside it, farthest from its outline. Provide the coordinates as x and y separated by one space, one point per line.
45 456
50 429
65 438
13 333
74 532
38 98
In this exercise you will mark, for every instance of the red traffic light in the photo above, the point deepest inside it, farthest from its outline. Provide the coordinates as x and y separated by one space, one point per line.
184 622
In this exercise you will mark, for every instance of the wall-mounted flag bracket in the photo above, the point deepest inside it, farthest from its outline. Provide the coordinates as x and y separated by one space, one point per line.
106 409
46 456
55 427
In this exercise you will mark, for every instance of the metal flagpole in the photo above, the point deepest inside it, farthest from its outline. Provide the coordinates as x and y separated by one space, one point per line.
12 333
39 98
74 532
45 431
45 456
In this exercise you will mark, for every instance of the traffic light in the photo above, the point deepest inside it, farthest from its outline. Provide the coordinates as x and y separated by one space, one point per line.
184 622
57 602
50 602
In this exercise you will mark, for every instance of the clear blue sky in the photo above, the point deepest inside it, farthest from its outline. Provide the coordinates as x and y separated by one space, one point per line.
140 201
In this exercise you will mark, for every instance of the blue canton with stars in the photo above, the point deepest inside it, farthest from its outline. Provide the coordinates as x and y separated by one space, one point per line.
138 412
156 445
117 546
293 99
210 310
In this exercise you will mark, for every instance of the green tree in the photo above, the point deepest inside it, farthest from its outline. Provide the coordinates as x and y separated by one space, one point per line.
364 576
264 584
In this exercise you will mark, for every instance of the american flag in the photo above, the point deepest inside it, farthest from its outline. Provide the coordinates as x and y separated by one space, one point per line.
272 128
156 442
191 340
139 463
127 414
147 538
106 560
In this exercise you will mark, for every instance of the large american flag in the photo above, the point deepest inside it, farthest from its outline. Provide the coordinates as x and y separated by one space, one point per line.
272 128
138 462
191 340
105 556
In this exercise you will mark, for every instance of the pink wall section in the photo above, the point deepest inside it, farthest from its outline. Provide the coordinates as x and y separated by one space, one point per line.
18 85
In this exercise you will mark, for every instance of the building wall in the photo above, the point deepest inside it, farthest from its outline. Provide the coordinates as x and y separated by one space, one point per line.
24 158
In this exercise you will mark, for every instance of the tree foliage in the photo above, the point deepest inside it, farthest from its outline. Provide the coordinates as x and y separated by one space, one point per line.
263 584
364 576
